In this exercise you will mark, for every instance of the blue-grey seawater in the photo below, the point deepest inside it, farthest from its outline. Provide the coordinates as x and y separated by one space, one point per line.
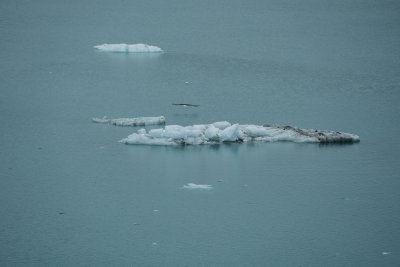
71 195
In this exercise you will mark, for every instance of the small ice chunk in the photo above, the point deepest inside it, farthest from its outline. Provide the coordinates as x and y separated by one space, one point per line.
221 124
180 132
230 134
156 133
212 133
198 186
139 121
103 120
129 48
142 139
174 131
385 253
255 131
142 131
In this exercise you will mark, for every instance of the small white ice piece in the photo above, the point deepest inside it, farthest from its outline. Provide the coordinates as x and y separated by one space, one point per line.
142 131
198 186
230 134
221 124
139 121
129 48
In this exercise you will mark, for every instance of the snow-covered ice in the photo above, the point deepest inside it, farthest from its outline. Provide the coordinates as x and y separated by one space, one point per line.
220 132
129 48
140 121
198 186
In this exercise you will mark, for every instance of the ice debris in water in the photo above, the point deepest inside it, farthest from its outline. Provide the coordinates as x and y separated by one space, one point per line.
140 121
129 48
221 132
198 186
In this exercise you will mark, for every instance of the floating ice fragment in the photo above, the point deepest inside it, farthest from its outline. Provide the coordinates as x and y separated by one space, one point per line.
230 134
142 131
385 253
140 121
212 133
198 186
221 132
129 48
221 124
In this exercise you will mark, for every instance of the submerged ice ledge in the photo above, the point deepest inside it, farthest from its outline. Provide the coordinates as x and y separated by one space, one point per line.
129 48
220 132
140 121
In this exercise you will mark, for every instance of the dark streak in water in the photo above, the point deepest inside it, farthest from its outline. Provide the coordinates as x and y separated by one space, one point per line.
186 105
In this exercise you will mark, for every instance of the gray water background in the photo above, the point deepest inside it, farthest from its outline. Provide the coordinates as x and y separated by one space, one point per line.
71 195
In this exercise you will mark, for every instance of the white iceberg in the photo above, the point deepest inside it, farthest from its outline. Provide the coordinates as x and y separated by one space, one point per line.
222 132
129 48
198 186
140 121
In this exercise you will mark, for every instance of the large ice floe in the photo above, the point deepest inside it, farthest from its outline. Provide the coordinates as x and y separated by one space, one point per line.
222 132
140 121
129 48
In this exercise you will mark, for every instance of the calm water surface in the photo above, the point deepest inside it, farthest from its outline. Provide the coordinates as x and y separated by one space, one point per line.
71 195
